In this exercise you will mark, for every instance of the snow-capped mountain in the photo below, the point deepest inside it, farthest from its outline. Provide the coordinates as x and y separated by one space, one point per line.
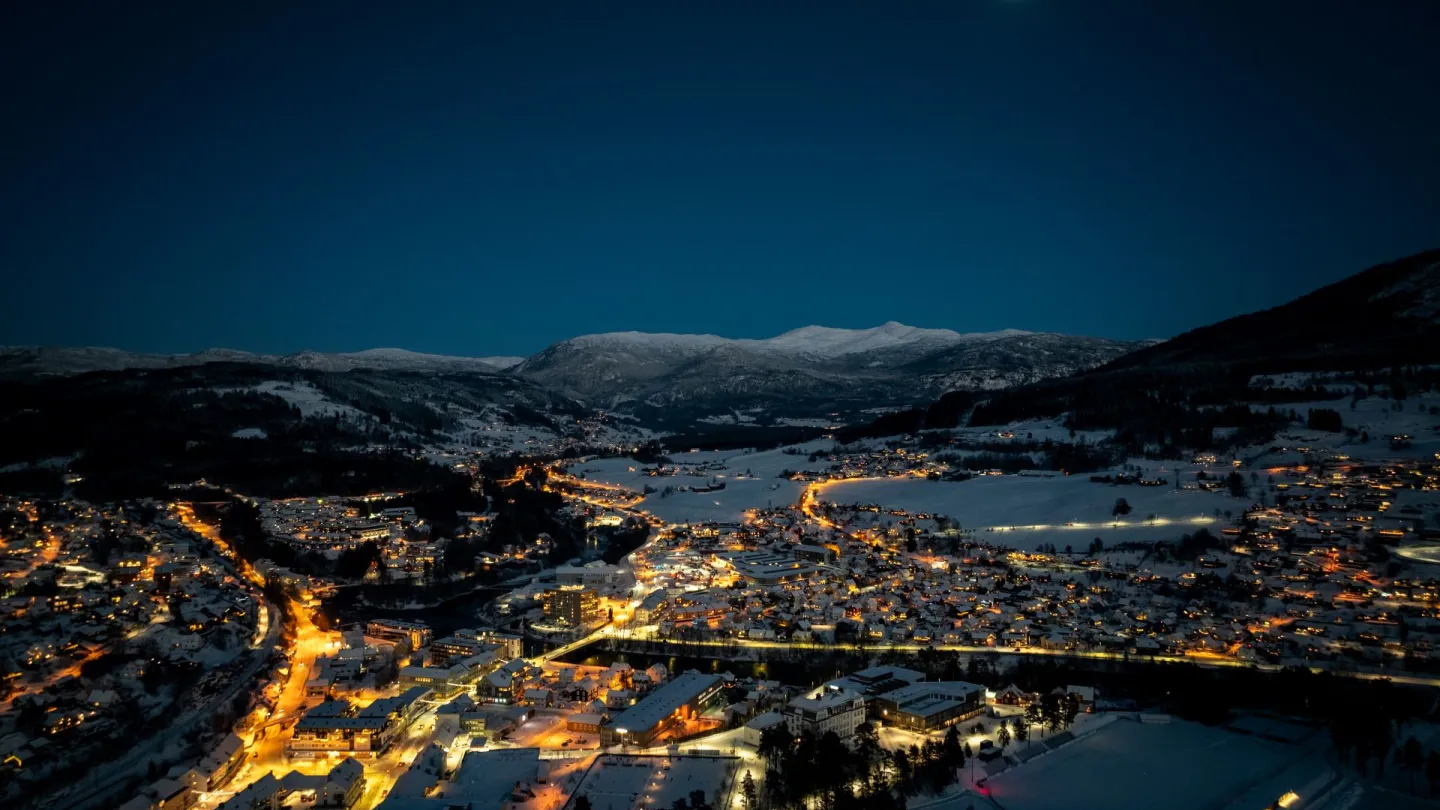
814 364
669 376
17 361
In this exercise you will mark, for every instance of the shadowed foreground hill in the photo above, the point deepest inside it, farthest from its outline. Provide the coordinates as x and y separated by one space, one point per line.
1386 315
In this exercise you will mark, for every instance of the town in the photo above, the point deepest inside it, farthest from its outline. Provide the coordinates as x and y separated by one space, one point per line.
1317 561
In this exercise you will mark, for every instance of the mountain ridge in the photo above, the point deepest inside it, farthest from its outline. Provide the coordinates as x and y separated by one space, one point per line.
667 377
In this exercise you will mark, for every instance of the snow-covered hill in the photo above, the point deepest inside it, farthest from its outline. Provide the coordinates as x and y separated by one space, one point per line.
882 365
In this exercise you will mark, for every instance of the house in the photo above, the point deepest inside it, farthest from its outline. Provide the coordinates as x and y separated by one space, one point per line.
1013 695
343 785
1086 695
585 723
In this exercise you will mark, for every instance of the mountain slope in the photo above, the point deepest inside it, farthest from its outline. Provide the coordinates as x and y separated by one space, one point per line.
1382 316
1184 392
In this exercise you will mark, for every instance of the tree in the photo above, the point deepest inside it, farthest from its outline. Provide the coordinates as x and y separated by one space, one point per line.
748 794
1022 731
867 747
1035 715
774 741
1122 507
774 788
582 802
1004 736
904 768
951 751
697 799
1235 482
1412 759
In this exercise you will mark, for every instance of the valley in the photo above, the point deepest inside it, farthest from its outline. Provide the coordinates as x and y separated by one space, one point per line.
993 507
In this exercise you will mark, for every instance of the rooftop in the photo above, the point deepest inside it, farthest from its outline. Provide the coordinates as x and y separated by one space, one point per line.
664 701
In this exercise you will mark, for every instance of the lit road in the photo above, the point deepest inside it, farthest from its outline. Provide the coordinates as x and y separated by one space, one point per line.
102 783
1199 659
811 497
267 740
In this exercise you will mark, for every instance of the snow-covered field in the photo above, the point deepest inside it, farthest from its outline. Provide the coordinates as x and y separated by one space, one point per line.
1024 511
619 782
1179 766
1033 430
1377 418
751 482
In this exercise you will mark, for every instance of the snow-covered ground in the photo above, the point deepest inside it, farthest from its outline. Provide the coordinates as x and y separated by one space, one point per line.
619 782
751 482
1377 419
1180 766
309 399
1037 430
1025 511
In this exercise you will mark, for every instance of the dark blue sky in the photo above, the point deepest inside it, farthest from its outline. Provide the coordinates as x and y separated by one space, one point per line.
493 177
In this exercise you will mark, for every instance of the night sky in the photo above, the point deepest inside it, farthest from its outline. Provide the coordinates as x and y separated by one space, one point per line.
487 178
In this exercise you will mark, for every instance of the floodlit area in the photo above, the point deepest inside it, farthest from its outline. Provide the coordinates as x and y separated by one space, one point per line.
1024 511
632 782
751 481
1128 765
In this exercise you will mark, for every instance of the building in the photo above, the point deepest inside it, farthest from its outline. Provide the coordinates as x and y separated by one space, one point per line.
165 794
652 607
494 778
813 553
595 575
680 699
765 567
339 727
217 768
262 794
509 645
750 734
928 706
572 605
452 680
419 635
343 785
838 710
585 723
874 681
445 651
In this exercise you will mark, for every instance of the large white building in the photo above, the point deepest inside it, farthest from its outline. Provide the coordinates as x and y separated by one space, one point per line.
838 710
